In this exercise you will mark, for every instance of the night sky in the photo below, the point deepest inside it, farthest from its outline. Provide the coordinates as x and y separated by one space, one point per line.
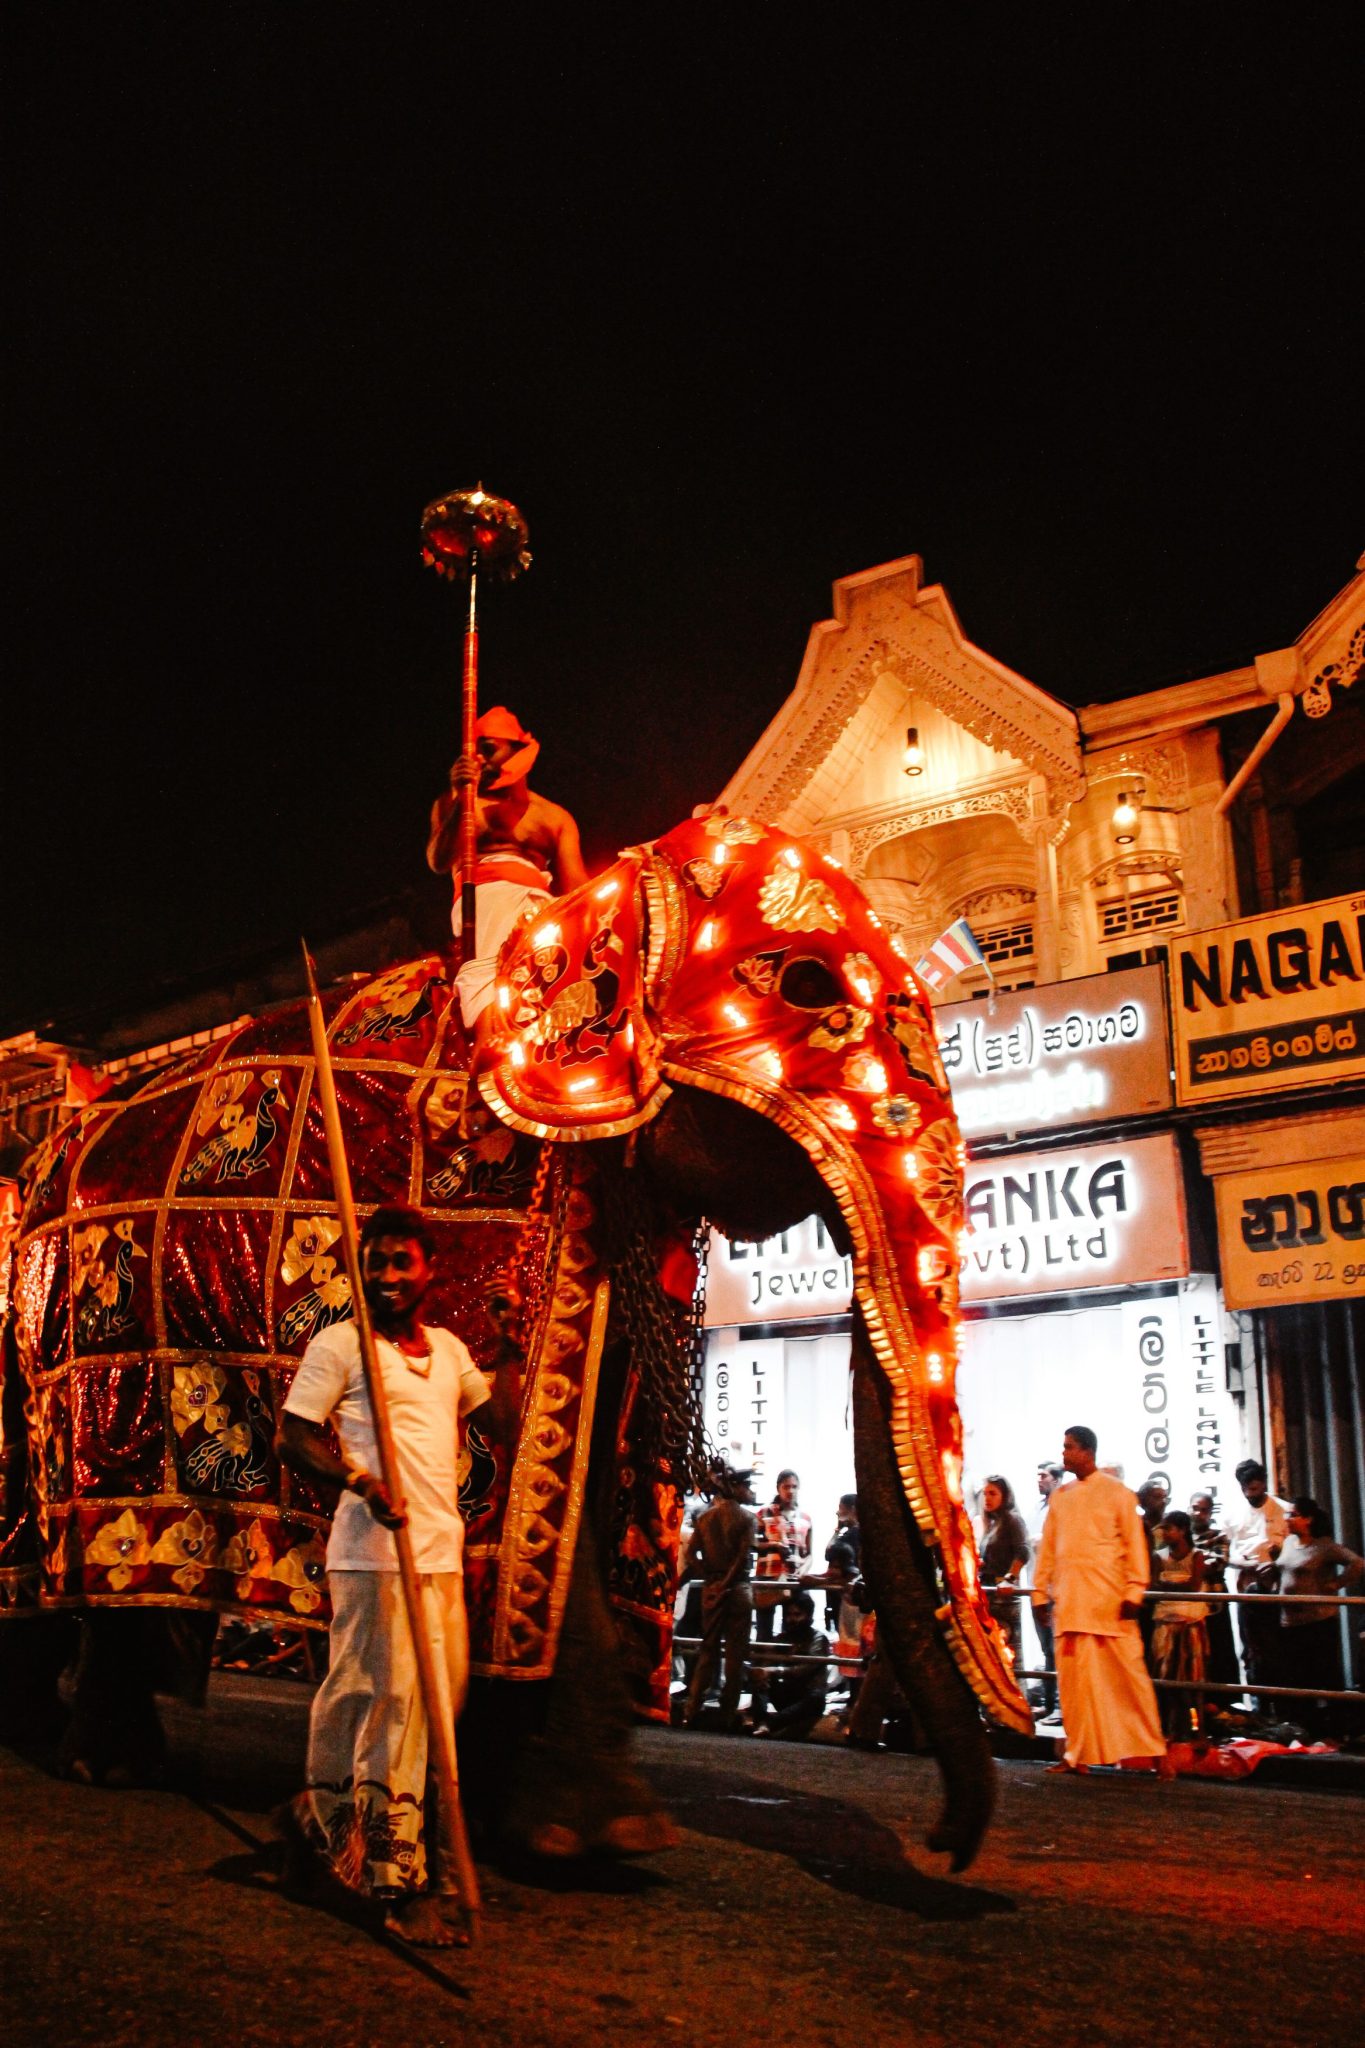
731 302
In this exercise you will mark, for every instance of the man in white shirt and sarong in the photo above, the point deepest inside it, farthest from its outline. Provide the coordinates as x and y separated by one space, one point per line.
1092 1569
363 1813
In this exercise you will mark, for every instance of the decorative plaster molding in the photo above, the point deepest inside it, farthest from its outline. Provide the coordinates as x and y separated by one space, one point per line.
885 624
983 704
1012 801
1171 865
998 902
1344 672
789 775
1163 771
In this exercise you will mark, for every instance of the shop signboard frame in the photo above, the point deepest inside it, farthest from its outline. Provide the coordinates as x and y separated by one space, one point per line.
1073 1218
1270 1003
1060 1056
1293 1233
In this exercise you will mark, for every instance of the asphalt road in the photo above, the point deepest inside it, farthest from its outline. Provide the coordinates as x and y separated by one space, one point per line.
801 1907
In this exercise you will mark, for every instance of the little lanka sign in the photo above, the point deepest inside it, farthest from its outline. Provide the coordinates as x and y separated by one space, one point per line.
1036 1223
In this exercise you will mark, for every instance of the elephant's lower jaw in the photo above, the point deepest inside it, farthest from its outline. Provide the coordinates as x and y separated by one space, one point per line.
900 1574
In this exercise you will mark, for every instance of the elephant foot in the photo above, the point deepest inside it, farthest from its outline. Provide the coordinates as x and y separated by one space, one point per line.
638 1834
962 1823
627 1834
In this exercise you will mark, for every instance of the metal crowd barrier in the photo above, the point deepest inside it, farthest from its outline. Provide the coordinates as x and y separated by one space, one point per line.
846 1660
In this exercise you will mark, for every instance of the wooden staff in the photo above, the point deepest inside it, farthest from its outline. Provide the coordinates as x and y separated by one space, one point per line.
469 806
441 1731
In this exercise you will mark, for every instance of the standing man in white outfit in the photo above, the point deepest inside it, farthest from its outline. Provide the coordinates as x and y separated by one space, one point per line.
364 1810
1092 1568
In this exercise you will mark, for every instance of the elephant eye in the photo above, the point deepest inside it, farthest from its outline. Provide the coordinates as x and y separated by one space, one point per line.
807 984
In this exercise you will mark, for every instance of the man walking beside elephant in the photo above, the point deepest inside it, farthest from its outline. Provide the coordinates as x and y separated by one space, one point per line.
363 1812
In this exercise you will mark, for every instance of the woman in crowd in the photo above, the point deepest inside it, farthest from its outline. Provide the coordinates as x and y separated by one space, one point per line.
1003 1544
1310 1562
1180 1643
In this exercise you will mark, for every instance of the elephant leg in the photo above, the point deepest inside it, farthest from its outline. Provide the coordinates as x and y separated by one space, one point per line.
35 1649
577 1787
114 1736
900 1573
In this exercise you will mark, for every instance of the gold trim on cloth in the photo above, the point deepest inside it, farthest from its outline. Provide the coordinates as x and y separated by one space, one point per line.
891 1332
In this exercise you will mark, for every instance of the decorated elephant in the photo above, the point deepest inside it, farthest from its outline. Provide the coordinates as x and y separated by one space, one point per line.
717 1027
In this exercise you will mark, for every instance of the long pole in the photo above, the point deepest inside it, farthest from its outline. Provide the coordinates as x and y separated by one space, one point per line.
469 818
440 1726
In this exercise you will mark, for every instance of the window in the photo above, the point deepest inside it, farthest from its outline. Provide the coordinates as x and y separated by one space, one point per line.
1009 950
1128 917
1008 943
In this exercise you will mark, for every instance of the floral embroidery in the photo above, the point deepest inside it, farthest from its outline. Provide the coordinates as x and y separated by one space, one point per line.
839 1027
195 1392
219 1103
248 1554
896 1115
190 1546
759 972
733 831
706 877
939 1180
312 1236
303 1570
85 1251
445 1104
119 1548
863 977
793 902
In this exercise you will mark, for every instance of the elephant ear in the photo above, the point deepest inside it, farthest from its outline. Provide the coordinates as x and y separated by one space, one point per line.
567 1050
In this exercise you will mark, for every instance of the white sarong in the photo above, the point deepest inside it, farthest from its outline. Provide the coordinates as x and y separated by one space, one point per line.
497 906
364 1807
1109 1708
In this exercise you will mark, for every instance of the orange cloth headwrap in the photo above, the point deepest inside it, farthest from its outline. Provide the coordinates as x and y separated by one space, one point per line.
498 723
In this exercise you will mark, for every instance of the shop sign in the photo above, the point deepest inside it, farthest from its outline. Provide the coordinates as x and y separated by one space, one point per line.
791 1277
1271 1003
745 1404
1179 1410
1074 1052
1293 1233
1107 1215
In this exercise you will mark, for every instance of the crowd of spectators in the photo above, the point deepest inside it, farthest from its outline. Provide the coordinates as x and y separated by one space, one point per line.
754 1576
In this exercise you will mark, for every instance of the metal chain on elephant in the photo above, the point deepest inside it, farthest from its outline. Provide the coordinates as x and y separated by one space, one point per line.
665 1351
527 1276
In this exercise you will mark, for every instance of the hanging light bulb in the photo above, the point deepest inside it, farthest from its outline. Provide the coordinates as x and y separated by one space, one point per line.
1124 820
912 761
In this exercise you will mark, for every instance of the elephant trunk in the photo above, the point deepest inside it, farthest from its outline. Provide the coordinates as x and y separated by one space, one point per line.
901 1574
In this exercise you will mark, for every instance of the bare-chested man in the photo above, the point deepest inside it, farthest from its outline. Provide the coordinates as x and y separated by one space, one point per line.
528 846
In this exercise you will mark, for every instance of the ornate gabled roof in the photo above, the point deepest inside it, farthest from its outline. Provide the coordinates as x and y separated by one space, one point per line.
886 624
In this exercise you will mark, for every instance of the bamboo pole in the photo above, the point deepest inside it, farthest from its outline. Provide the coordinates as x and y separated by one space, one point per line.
440 1727
469 795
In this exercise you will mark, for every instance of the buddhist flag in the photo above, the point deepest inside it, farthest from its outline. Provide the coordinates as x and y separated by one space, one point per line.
950 954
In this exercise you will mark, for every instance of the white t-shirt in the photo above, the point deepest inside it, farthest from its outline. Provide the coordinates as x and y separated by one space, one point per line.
425 1411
